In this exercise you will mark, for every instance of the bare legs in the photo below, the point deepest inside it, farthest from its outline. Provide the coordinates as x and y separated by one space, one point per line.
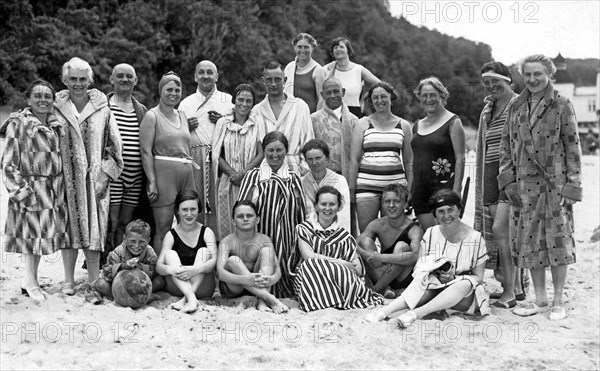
367 210
163 219
200 285
69 258
120 216
538 276
499 213
236 265
386 274
426 220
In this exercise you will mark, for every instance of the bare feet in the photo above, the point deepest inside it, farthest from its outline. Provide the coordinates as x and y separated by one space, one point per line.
277 306
261 305
190 307
178 305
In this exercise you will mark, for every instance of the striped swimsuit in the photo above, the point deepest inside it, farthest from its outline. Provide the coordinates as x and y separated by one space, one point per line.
126 190
381 163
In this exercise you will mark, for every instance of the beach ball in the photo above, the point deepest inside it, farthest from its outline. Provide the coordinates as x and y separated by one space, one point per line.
132 288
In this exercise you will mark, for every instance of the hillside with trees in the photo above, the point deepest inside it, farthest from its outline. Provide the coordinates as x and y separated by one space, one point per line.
239 36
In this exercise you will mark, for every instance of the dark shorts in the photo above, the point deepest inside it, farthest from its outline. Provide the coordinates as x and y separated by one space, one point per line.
224 290
171 177
491 194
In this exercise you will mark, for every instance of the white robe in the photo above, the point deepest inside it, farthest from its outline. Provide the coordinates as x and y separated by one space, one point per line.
294 122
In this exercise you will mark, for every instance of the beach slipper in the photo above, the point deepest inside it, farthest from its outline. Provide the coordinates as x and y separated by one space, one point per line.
68 289
530 310
495 295
92 296
520 297
557 313
406 319
505 305
35 293
375 316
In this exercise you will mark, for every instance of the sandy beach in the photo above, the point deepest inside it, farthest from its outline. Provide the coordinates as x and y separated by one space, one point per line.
66 332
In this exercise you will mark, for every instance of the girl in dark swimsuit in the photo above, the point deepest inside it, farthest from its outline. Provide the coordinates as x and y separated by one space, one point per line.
189 255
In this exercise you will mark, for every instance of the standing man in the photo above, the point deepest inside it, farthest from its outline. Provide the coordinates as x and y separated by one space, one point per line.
333 124
125 192
203 109
289 116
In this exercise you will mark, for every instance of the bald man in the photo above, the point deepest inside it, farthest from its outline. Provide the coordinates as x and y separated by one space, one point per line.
203 109
334 123
125 192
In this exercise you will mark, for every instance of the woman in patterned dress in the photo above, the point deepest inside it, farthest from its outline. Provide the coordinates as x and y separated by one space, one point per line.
449 272
36 219
540 171
380 154
277 192
438 145
329 274
236 149
92 156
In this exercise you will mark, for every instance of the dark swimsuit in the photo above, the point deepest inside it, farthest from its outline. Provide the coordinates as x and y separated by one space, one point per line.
187 254
395 285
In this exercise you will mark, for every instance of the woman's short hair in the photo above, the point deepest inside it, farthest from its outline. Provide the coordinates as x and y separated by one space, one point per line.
316 144
243 87
275 136
444 197
304 36
540 58
76 63
243 203
339 40
329 189
397 188
140 227
496 67
385 86
437 85
39 82
187 195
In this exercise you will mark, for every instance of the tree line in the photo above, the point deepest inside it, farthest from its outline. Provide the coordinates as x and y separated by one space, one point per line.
238 35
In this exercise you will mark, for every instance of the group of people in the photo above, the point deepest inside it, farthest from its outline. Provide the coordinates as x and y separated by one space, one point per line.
298 195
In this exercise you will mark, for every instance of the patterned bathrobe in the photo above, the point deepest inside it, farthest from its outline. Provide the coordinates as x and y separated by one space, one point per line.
92 154
540 161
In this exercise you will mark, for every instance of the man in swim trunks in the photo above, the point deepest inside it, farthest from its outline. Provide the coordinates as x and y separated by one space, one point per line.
247 263
400 240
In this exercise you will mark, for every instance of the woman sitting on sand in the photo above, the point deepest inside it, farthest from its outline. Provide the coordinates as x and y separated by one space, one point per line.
328 275
189 255
449 272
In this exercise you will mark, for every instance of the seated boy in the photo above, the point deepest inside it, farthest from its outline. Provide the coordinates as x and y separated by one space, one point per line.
247 262
133 253
400 240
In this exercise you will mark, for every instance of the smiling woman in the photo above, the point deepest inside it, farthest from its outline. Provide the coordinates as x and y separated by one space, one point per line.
165 148
277 192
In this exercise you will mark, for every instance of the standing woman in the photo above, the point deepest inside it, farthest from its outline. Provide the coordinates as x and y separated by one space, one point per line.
236 149
540 171
380 154
438 145
277 192
304 76
92 156
36 219
352 75
491 204
165 147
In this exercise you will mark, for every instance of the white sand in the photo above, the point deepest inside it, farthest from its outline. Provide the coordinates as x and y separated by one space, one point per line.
68 333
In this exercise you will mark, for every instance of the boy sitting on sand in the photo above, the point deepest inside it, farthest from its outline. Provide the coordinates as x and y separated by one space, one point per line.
247 262
133 253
